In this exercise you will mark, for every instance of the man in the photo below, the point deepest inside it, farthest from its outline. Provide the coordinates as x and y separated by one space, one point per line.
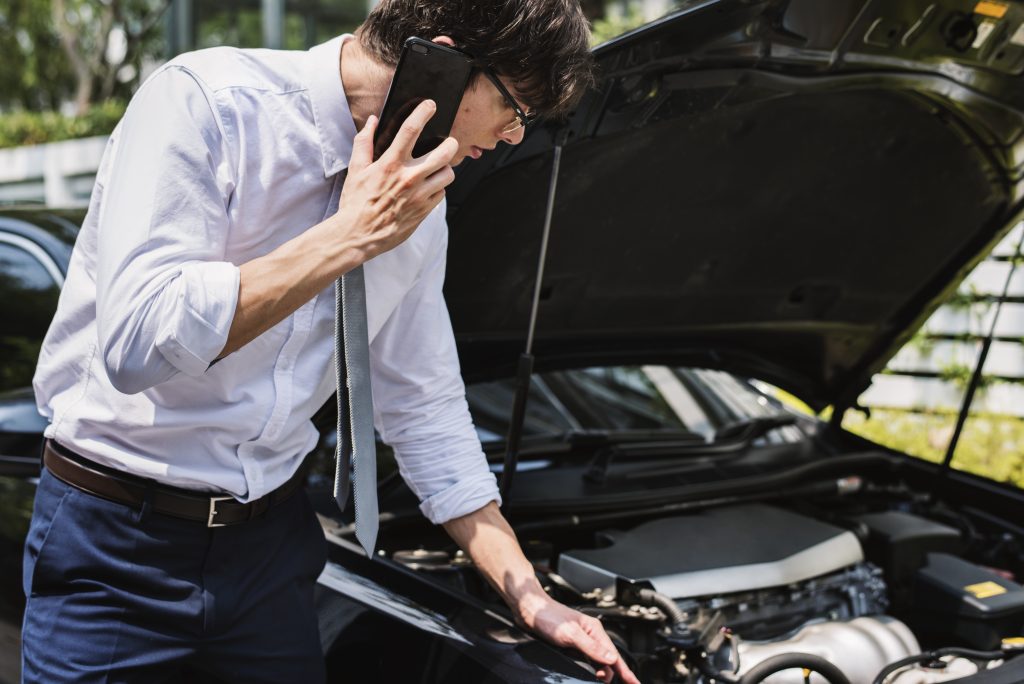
194 341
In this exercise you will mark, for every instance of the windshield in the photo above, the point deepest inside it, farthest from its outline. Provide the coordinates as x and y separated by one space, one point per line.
625 398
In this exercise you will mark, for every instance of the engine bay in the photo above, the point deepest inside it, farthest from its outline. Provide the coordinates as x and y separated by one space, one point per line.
852 582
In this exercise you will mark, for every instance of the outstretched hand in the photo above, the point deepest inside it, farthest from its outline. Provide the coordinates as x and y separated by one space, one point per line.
491 543
568 628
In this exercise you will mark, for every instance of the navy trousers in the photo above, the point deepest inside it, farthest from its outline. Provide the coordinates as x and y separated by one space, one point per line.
118 594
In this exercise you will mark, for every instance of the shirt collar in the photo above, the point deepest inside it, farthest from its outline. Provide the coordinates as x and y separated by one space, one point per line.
333 119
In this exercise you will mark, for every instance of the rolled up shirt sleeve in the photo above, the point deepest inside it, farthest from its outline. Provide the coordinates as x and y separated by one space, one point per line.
420 403
166 296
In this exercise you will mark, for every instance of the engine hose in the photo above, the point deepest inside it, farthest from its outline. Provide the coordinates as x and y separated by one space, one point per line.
787 661
649 597
935 655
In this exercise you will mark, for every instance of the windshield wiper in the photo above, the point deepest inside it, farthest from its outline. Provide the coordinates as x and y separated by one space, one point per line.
731 439
750 429
585 438
596 438
614 443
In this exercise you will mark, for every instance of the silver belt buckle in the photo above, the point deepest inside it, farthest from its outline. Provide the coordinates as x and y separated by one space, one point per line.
213 510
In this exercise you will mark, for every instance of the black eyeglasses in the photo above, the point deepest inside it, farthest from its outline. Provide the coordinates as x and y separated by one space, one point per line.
522 118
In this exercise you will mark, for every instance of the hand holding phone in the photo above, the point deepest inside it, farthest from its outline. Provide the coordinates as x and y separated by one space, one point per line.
383 201
425 71
401 162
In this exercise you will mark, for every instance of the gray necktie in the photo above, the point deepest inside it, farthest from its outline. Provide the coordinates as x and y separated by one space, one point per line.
356 444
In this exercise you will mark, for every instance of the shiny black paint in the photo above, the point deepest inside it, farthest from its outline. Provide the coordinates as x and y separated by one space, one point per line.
862 176
53 231
21 433
382 622
21 426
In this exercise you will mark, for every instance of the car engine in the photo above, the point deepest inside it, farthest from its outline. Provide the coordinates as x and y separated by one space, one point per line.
760 571
760 593
754 592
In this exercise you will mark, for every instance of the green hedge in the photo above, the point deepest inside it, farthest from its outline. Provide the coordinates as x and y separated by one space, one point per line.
33 128
990 445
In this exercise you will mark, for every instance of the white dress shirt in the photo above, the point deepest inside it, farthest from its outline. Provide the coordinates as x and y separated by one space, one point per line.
222 156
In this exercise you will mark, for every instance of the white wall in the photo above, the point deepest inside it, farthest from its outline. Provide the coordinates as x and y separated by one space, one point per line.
57 174
902 388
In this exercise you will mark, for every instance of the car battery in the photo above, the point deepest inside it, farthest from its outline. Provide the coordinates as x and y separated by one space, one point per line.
956 599
899 542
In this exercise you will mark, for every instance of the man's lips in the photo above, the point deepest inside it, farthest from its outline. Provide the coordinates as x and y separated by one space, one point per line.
476 152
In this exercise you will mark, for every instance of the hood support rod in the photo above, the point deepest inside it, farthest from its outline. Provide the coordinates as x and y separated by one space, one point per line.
524 371
979 366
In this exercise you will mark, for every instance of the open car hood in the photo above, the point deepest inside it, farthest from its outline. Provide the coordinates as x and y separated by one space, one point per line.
780 189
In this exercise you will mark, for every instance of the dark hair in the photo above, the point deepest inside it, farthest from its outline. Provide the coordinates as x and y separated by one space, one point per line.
542 45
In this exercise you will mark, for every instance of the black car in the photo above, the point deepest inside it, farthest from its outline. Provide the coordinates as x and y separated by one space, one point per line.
756 191
35 247
632 403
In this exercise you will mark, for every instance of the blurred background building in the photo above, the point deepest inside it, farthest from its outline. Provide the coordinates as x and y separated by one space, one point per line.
68 67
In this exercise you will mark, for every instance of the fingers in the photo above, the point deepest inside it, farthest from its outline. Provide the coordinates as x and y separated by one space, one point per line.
604 652
410 130
433 170
584 640
441 155
362 146
607 673
625 674
435 199
438 180
431 191
580 639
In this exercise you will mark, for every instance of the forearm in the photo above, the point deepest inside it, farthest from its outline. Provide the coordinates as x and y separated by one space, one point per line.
489 540
273 286
381 205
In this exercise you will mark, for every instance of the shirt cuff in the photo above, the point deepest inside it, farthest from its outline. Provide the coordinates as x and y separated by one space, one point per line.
461 498
198 331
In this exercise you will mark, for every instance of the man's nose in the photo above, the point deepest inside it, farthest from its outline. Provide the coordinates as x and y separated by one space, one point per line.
515 137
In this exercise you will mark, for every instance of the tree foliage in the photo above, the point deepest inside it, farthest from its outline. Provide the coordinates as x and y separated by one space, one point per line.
103 41
615 24
34 71
82 51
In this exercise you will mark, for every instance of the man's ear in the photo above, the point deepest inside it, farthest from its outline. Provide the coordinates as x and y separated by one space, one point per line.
444 40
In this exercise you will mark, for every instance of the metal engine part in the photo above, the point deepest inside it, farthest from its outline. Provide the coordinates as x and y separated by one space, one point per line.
860 648
431 560
955 668
715 552
767 614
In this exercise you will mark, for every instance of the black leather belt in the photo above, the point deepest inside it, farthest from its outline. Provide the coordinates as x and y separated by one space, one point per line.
214 511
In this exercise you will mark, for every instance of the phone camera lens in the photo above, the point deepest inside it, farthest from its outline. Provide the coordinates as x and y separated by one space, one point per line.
420 49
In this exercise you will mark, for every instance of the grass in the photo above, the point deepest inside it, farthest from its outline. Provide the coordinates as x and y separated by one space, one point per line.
991 445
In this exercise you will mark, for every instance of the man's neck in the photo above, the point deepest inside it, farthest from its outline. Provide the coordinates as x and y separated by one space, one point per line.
365 80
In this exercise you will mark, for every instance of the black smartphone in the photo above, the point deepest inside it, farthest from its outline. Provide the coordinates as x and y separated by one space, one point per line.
426 71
